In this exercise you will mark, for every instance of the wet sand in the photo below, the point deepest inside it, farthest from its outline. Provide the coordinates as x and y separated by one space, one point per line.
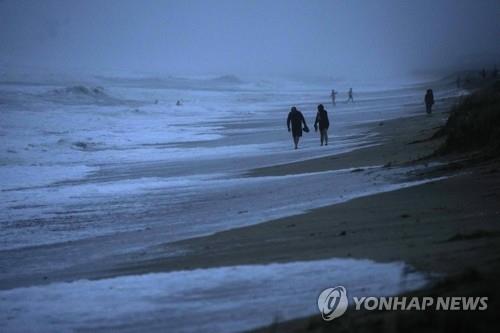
397 142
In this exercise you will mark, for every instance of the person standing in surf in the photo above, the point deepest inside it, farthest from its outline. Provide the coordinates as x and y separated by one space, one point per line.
350 98
429 101
295 120
323 122
332 95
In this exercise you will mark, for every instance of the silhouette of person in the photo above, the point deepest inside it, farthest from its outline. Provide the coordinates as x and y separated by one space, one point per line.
429 100
179 103
296 119
323 122
349 94
332 95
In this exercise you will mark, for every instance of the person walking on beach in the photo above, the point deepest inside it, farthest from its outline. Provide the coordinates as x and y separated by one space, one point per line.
429 100
323 122
296 119
349 94
332 95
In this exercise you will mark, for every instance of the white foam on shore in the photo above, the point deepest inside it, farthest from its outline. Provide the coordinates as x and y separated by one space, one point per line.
205 190
43 132
20 176
224 299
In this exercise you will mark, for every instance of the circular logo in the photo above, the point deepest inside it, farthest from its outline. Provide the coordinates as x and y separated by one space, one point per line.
332 302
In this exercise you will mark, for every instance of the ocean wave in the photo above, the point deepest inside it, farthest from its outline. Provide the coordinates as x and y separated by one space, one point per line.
219 83
229 79
81 94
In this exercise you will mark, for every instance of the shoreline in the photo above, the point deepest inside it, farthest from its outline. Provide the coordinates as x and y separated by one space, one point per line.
435 227
397 141
393 142
416 220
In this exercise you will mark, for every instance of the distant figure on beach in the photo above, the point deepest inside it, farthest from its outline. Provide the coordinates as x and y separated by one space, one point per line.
349 94
332 95
179 103
459 81
323 122
429 100
296 119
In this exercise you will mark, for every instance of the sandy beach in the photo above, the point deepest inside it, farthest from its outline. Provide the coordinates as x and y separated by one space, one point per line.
249 166
426 226
393 217
436 227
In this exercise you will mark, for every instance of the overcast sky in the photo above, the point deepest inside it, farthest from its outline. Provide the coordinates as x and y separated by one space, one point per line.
331 38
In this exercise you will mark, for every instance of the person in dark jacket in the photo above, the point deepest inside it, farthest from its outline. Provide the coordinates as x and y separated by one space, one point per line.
296 119
323 122
429 101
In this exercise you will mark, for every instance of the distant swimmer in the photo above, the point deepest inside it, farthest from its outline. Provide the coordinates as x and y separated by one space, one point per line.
179 103
332 95
350 98
323 122
296 119
429 100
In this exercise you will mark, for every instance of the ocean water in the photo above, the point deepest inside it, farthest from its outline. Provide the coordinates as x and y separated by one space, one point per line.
77 159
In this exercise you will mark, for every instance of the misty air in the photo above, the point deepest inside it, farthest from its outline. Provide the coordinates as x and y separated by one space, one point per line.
249 166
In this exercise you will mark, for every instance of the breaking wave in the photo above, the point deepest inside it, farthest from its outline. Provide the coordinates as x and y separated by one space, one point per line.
81 95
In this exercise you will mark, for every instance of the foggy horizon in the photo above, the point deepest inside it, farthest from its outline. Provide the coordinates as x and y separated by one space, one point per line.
250 38
255 166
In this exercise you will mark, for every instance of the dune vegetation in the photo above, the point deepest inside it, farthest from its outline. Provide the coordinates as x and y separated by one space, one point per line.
474 123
